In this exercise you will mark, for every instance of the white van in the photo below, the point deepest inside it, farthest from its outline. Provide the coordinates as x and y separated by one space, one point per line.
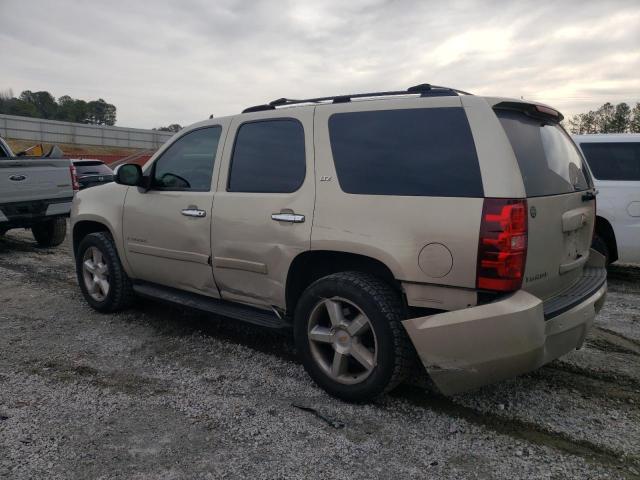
614 160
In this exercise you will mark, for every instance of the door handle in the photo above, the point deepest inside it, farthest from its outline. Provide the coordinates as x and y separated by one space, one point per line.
287 217
194 212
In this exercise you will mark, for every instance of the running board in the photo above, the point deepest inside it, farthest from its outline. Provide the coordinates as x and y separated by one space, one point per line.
223 308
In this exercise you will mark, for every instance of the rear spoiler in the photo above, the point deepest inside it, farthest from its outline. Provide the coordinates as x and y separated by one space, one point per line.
540 112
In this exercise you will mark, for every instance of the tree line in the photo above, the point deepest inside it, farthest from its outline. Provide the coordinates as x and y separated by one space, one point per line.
174 127
44 105
609 118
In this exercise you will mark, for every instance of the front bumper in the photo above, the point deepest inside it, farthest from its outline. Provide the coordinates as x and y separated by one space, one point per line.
466 349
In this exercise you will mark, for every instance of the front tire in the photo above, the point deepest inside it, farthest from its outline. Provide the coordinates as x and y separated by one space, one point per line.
349 336
104 283
50 233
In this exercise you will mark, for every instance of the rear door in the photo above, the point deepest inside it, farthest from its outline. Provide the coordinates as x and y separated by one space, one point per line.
263 210
560 201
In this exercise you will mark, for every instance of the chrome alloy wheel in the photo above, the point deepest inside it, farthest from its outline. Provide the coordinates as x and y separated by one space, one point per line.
342 340
95 273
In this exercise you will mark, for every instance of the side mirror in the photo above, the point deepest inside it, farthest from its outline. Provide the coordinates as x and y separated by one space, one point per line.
129 174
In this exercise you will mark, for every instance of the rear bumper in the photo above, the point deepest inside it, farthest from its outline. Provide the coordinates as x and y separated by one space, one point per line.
466 349
26 214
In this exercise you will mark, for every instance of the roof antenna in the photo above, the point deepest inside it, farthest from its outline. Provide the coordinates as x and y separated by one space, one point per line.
210 116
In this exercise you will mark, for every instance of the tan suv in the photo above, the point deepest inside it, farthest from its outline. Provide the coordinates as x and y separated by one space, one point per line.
376 226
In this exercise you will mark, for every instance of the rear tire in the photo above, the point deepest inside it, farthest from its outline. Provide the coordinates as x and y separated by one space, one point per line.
104 283
50 233
601 246
349 336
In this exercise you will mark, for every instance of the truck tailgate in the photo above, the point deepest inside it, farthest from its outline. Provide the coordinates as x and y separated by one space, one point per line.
24 180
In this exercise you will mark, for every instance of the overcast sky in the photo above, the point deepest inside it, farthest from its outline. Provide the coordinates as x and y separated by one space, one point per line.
177 62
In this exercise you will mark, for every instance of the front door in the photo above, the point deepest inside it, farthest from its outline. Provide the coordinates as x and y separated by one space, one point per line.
263 209
167 229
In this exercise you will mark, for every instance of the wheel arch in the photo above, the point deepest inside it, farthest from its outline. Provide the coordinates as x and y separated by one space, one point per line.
604 230
83 228
312 265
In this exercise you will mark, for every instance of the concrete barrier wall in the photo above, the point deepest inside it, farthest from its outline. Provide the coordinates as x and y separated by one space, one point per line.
52 131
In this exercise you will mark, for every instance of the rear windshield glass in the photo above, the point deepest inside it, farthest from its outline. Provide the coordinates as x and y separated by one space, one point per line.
419 152
93 167
549 161
613 161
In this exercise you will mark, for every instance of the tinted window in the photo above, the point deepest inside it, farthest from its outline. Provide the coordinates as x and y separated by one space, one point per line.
427 152
549 161
91 168
268 156
188 163
613 161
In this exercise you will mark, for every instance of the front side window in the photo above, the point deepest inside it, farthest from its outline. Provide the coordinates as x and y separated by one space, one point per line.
417 152
268 157
613 161
188 163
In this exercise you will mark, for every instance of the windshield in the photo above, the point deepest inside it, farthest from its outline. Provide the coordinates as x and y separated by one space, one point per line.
549 161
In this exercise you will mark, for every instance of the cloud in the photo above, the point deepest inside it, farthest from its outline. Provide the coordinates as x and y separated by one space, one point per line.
167 62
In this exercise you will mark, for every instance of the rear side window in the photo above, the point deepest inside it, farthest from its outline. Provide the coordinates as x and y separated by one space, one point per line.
549 161
418 152
89 168
188 163
268 157
613 161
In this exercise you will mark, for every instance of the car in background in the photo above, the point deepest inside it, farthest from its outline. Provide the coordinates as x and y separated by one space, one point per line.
91 173
614 160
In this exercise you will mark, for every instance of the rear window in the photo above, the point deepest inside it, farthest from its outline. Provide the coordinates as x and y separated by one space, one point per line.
419 152
613 161
88 168
549 161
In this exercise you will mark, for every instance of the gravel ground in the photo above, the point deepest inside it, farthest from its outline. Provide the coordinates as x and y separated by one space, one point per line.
162 393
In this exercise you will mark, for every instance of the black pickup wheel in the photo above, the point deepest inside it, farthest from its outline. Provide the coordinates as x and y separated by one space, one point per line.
50 233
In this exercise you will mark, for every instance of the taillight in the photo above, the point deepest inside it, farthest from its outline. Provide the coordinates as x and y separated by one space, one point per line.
74 178
502 249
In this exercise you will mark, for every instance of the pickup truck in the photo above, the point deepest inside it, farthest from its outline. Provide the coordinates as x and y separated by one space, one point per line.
36 193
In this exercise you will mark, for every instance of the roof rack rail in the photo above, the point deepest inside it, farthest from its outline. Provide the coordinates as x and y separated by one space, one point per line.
424 90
